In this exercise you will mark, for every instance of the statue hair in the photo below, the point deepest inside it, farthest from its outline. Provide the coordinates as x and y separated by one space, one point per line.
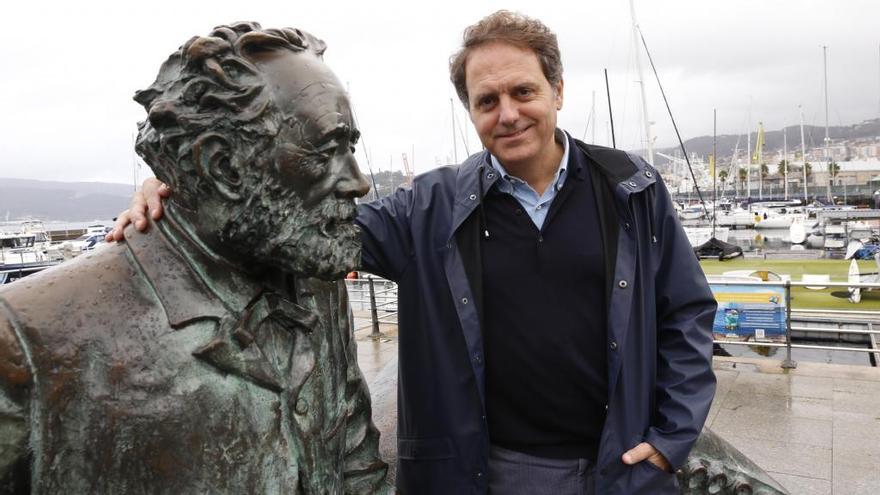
208 103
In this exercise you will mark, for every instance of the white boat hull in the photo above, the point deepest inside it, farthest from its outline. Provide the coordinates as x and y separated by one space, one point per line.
797 233
774 222
735 219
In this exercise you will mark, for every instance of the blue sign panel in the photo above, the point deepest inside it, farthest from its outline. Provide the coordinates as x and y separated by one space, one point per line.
749 313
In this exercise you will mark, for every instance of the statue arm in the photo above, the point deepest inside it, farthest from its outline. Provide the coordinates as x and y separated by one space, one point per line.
15 378
364 469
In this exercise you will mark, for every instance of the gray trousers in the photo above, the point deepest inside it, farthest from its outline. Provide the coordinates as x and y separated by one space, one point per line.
514 473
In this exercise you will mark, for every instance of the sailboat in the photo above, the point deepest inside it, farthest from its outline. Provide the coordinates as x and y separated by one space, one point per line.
715 246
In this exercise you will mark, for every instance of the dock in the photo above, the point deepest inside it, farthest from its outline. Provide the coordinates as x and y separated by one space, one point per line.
837 216
815 428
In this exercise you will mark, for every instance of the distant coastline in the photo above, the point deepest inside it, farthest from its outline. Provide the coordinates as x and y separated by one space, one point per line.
65 202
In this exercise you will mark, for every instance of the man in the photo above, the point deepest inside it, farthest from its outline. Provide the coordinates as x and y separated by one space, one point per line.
201 358
555 325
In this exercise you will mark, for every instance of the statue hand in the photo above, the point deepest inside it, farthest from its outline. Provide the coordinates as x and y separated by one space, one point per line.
646 451
149 198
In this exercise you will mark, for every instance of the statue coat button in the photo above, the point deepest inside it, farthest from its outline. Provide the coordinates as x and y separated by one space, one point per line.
302 406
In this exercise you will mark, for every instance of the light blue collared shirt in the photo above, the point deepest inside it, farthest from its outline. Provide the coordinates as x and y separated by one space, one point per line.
536 207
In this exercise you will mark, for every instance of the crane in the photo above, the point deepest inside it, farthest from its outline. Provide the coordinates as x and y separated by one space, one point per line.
408 178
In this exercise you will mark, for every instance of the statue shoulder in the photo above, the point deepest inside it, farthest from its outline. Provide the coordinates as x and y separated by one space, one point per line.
15 372
15 385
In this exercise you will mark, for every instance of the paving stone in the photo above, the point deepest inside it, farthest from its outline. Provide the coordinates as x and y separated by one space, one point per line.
784 457
801 485
856 470
857 429
778 426
865 402
862 387
797 407
789 384
724 379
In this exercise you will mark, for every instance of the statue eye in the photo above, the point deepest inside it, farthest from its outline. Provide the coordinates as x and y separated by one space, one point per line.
303 163
314 165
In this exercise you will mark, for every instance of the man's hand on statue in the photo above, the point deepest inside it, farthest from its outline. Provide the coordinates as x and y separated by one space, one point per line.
148 199
646 452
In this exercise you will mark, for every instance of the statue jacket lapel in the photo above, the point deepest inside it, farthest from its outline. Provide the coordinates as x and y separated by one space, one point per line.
257 327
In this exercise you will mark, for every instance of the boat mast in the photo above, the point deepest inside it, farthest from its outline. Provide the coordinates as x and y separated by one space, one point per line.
610 113
671 118
785 159
454 145
593 118
134 161
759 153
714 164
827 139
733 171
803 153
649 142
749 155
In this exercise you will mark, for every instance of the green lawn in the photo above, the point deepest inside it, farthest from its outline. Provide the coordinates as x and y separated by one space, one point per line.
803 298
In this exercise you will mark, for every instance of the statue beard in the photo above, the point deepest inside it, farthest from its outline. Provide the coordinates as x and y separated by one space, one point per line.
276 230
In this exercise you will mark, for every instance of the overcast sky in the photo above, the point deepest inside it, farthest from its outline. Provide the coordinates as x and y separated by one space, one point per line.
71 68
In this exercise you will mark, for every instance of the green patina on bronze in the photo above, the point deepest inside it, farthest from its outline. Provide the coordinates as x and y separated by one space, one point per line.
215 353
716 467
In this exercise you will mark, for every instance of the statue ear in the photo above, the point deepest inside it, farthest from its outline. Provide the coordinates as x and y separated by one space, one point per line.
213 156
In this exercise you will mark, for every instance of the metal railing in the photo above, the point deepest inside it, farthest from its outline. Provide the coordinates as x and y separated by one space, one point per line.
788 363
363 293
380 295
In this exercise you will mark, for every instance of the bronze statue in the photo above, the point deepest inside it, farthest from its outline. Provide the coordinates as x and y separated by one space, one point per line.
204 356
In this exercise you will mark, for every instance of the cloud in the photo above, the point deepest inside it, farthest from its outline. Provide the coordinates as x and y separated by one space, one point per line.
70 70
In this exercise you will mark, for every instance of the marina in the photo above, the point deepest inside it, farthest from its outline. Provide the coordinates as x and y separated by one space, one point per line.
29 246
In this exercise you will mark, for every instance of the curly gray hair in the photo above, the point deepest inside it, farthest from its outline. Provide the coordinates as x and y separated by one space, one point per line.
210 88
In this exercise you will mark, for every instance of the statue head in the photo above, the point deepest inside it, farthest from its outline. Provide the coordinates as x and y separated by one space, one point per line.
255 136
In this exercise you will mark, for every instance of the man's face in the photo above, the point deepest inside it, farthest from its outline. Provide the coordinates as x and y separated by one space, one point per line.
511 103
303 213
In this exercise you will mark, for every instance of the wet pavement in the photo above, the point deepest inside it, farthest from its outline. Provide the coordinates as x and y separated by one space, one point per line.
815 429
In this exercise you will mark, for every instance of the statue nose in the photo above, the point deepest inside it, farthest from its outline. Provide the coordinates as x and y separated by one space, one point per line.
350 182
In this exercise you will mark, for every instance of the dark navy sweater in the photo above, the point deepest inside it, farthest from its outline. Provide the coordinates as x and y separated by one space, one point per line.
545 322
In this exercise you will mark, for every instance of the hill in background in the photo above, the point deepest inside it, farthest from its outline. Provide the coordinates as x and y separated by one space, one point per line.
62 201
773 140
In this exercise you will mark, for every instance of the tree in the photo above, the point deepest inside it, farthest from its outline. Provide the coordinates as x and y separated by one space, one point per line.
722 177
780 167
809 170
743 174
833 170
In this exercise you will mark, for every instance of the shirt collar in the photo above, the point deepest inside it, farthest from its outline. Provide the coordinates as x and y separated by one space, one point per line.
561 171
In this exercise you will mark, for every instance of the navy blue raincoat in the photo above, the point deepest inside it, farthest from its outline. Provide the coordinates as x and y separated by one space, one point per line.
660 312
